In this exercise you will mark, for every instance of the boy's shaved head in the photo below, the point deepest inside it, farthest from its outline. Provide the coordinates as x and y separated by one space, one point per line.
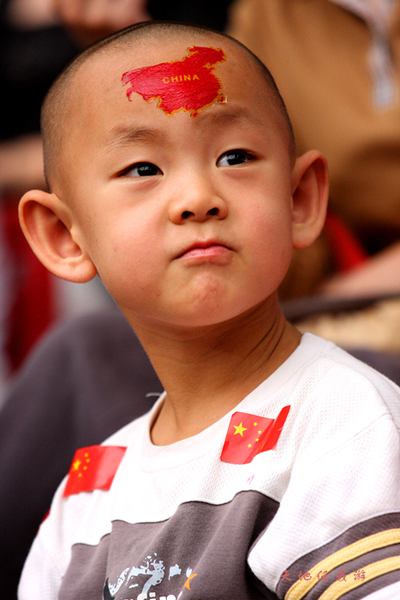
58 109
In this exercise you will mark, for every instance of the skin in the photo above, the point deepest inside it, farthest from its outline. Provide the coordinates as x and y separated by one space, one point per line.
193 252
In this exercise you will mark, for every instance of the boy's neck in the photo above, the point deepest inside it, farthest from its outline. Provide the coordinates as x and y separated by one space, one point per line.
207 372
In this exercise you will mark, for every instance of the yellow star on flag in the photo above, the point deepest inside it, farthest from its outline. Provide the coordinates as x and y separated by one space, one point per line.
76 465
240 429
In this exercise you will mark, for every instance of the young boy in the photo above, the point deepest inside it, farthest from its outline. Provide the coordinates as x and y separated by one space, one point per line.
269 468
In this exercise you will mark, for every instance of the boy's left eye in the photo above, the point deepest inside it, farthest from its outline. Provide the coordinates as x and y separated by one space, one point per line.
233 157
142 169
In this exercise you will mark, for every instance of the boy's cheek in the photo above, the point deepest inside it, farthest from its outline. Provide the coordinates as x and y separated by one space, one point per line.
130 276
120 239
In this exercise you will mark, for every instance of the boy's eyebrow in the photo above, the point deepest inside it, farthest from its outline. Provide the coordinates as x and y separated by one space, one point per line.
123 135
226 117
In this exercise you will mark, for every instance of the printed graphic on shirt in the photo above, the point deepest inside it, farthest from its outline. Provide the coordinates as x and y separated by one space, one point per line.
189 84
200 552
363 559
156 570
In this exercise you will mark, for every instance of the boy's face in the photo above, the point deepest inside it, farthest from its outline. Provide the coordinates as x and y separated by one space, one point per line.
187 218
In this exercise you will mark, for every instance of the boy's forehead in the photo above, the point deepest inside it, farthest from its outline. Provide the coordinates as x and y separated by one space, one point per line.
185 75
177 53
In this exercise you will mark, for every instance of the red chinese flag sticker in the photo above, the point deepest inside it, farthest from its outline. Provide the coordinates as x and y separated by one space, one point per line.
188 84
248 435
93 468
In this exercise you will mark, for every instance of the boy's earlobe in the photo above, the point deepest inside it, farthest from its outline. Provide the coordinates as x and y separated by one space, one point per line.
47 225
310 191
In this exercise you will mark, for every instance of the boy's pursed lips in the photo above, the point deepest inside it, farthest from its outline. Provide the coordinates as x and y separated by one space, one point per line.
204 248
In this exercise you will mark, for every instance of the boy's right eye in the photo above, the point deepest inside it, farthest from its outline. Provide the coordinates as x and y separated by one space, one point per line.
142 169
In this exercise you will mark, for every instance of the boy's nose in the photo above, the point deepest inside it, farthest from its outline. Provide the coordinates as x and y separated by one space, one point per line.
197 205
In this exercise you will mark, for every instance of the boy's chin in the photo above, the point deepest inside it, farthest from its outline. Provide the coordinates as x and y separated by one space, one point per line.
209 317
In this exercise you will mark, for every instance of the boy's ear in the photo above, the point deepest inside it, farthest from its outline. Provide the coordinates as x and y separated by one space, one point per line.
48 226
310 190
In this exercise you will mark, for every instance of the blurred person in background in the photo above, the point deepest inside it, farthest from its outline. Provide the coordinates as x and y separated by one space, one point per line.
34 48
337 64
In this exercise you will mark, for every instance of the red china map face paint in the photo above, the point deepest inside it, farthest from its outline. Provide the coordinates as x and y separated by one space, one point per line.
188 84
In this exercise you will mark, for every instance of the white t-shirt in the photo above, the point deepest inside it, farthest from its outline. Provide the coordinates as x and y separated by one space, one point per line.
316 517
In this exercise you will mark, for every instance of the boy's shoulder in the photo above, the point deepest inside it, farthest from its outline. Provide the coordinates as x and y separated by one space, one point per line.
323 359
334 397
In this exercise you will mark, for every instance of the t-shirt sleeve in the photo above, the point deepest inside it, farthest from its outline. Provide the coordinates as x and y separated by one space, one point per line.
337 530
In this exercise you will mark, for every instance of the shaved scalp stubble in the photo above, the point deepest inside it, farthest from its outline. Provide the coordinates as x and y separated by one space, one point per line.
57 106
